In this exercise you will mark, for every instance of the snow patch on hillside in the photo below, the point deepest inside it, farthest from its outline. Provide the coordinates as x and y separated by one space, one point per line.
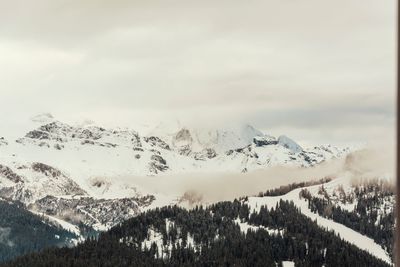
244 227
155 237
288 263
363 242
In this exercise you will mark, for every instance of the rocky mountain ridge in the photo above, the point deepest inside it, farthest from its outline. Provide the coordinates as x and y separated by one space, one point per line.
81 166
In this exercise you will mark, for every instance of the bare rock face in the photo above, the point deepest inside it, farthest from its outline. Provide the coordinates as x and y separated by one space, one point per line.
58 146
136 140
155 141
183 141
18 192
157 164
55 131
185 150
90 211
62 183
183 136
46 170
207 153
87 142
37 134
159 159
247 151
9 174
55 134
260 141
91 134
307 158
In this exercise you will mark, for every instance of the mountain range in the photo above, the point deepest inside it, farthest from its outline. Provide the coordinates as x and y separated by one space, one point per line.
55 167
74 181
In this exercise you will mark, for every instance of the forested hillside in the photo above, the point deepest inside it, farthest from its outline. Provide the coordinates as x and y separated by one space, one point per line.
223 234
372 215
23 232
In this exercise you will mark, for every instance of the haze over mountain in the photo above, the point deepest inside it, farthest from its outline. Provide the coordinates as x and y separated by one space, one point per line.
283 67
84 178
88 159
52 158
192 133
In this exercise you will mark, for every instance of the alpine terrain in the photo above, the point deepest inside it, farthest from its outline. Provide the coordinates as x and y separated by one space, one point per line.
74 186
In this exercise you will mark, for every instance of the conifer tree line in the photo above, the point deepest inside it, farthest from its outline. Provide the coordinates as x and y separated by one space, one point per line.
373 215
217 241
284 189
22 232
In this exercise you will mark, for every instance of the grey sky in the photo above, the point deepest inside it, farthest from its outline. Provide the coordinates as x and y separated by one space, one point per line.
313 69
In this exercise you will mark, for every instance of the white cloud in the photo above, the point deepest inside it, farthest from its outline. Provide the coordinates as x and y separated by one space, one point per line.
311 66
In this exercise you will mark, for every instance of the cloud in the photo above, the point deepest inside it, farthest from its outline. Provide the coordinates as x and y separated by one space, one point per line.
374 162
279 64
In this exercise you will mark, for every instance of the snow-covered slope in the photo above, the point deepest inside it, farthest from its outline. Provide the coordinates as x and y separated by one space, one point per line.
52 158
331 188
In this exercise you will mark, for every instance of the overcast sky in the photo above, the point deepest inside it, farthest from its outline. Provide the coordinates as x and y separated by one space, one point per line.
316 70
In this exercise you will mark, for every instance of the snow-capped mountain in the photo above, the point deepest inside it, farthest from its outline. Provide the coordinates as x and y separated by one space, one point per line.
83 176
85 161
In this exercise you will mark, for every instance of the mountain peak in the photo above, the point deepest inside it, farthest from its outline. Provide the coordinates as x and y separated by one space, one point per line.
289 144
